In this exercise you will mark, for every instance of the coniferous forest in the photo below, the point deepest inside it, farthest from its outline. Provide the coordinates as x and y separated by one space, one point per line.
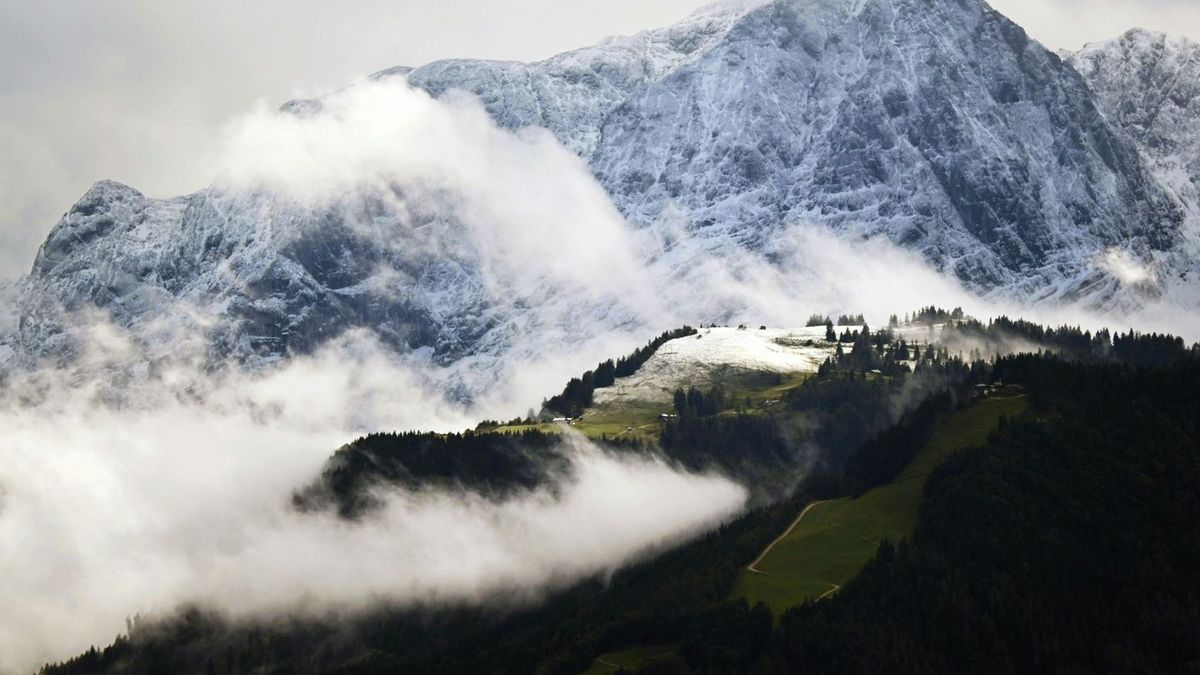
1065 543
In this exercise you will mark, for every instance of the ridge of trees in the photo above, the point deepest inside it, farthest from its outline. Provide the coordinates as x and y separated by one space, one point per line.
882 458
489 463
815 320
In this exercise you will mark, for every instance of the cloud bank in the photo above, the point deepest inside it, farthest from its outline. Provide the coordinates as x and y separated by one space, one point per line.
182 494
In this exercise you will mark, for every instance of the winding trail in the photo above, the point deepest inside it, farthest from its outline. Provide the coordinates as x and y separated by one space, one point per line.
753 567
829 592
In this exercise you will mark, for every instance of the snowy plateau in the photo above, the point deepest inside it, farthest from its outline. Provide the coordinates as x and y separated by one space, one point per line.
936 125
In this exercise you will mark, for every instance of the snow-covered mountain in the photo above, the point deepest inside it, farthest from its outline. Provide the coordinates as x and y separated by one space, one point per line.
936 124
939 125
1148 84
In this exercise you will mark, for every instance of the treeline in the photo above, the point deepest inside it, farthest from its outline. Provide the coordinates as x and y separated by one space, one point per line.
932 315
843 320
577 396
493 464
1000 335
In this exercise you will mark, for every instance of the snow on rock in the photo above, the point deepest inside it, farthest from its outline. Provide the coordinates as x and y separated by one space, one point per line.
939 125
1148 84
936 124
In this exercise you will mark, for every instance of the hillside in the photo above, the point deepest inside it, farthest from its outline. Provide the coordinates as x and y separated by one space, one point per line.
1078 502
836 538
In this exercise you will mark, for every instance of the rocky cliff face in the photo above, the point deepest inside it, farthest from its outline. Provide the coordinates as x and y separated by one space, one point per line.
1148 85
937 124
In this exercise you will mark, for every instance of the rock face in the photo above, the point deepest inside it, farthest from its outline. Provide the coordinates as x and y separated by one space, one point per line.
260 276
1148 85
937 124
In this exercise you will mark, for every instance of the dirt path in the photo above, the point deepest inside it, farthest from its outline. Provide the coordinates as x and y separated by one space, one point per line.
610 664
830 592
753 567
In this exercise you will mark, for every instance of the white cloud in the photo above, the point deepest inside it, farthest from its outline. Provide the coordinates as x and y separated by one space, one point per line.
1122 265
183 495
1069 24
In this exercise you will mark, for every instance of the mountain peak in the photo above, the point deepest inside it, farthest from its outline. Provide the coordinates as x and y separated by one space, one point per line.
937 125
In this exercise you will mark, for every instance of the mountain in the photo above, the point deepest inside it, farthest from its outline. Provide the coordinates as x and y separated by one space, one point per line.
1148 85
938 125
252 268
941 126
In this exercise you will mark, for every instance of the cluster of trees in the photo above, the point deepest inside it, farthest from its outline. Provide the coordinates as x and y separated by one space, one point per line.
851 320
879 351
745 446
815 320
485 462
697 403
931 315
1003 335
882 458
578 394
843 409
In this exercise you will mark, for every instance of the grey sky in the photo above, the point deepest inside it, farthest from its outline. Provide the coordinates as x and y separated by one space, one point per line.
140 90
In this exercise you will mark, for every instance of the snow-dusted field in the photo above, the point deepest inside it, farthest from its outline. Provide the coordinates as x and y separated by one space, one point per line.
700 359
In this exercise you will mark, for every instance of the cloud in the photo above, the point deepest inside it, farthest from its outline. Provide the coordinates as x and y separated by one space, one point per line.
519 197
1069 24
182 494
1124 267
140 91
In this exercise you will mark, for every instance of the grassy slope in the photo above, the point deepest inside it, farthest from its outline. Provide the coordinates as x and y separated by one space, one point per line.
837 538
630 659
640 420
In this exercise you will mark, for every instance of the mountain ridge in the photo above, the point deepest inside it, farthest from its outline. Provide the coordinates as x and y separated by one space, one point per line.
944 129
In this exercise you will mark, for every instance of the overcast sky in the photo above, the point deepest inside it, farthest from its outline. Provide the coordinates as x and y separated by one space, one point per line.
140 90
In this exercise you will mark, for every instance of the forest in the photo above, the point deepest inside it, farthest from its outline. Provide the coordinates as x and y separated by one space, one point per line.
1065 543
